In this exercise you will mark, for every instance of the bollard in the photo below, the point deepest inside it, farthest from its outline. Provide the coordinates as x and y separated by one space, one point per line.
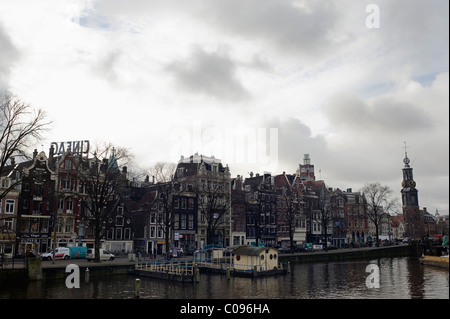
228 273
197 275
86 276
255 271
137 288
289 267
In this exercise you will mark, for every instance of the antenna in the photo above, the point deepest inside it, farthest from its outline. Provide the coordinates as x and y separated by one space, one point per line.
406 153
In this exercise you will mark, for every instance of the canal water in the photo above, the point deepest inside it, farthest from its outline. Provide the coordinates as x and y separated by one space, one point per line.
399 278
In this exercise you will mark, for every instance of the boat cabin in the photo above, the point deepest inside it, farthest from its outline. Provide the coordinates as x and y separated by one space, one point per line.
245 258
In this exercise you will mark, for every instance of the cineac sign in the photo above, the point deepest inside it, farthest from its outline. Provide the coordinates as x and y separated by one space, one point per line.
76 147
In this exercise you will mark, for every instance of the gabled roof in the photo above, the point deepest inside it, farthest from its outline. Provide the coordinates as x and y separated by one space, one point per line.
247 250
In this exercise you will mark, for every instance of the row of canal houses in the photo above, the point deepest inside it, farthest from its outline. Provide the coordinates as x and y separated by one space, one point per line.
46 205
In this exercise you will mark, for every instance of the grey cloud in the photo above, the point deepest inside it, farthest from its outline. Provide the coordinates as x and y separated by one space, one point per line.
209 73
381 114
8 56
295 140
305 28
105 67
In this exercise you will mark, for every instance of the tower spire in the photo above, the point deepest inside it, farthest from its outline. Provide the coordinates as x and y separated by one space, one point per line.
406 159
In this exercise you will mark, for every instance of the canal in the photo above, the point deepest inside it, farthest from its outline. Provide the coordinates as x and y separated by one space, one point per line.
399 278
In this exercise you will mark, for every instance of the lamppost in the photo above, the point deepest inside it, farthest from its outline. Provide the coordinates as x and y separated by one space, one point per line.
54 236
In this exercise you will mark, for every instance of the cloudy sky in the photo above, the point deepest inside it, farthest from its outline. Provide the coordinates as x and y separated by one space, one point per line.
257 83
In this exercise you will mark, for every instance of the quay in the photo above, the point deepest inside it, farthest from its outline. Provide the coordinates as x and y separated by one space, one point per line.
352 254
37 269
185 269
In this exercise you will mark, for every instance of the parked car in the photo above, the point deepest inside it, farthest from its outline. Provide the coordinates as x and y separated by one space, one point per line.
60 253
306 247
406 240
104 254
284 250
176 252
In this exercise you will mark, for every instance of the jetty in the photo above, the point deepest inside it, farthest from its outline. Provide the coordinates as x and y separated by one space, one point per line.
435 261
183 271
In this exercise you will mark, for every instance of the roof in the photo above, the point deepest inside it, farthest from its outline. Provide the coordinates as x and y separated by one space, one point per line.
248 250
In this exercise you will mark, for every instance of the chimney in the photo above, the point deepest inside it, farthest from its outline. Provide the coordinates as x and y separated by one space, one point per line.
349 190
51 153
13 161
124 170
35 153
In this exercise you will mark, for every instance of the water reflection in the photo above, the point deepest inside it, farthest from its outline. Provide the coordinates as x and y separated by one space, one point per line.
403 278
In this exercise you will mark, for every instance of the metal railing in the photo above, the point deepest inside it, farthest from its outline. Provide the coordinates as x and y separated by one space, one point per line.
178 268
12 263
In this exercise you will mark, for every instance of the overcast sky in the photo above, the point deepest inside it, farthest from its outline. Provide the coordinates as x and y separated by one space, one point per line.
171 78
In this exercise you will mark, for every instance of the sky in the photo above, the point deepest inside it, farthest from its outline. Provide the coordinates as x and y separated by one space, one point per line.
255 83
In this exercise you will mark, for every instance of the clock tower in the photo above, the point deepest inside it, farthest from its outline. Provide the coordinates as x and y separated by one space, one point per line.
413 217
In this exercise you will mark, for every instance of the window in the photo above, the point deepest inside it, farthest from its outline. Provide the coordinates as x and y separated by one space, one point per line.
66 182
61 205
69 225
9 223
5 182
35 225
182 221
127 234
118 233
81 229
119 220
110 233
175 221
9 206
69 205
191 221
59 224
152 231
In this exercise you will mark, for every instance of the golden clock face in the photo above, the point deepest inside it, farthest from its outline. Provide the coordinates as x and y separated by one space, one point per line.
412 183
403 184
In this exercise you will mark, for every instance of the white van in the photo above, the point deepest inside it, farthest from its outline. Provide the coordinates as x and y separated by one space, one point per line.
104 254
60 253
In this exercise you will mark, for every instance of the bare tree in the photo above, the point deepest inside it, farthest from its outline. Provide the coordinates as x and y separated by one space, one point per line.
324 216
214 202
288 209
162 172
20 127
380 203
166 190
102 180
